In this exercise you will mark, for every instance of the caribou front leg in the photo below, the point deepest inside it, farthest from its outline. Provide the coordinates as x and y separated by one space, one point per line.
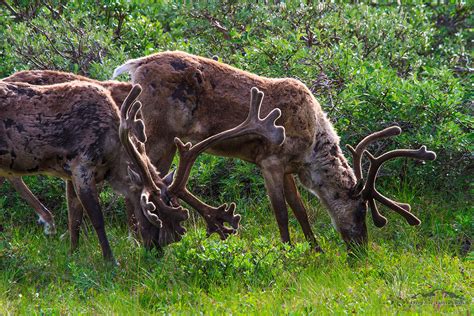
273 175
293 198
85 188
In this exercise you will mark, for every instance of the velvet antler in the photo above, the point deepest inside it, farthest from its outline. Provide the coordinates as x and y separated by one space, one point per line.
358 152
369 192
133 138
265 128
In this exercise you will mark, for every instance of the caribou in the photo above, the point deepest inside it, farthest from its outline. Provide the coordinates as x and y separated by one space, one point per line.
193 97
118 90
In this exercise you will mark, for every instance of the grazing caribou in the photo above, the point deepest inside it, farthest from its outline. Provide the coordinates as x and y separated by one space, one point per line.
193 97
118 90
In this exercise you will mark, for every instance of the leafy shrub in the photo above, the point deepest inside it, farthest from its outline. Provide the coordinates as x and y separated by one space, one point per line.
207 261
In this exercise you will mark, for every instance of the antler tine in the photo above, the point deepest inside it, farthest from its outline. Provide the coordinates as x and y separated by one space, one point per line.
253 124
358 152
379 219
256 98
128 123
148 208
139 170
265 127
401 208
369 192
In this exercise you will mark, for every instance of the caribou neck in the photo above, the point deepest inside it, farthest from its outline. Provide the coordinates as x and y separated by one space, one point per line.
327 173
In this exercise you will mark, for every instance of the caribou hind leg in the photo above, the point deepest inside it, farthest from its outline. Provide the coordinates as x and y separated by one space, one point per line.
46 218
2 179
75 215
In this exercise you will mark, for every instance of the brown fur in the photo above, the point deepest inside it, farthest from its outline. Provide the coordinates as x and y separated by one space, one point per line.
118 90
67 130
194 97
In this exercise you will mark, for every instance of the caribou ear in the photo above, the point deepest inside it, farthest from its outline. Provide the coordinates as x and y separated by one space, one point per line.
356 191
169 178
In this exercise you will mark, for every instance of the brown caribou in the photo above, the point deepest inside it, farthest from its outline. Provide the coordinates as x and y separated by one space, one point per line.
118 90
193 97
75 131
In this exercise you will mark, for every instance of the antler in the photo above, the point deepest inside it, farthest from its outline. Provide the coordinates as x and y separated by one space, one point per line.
140 173
266 128
369 192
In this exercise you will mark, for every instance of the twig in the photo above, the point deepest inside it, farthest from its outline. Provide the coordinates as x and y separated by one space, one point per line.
463 69
18 16
217 25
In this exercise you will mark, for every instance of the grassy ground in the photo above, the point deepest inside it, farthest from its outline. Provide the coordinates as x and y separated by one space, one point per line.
408 270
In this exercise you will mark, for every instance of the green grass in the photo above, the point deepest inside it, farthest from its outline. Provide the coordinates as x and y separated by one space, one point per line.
408 270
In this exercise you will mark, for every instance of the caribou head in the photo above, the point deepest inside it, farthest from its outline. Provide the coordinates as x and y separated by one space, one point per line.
364 192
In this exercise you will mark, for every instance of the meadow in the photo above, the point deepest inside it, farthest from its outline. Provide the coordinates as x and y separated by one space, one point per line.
369 65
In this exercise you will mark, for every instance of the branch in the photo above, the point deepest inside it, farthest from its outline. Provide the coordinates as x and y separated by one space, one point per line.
18 16
217 25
